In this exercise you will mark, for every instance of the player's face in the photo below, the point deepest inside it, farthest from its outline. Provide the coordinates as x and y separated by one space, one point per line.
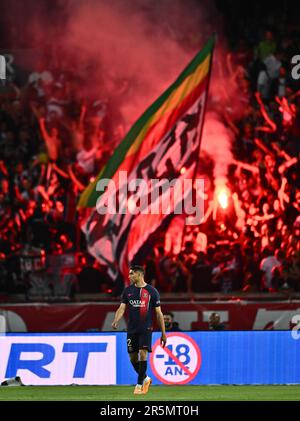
134 276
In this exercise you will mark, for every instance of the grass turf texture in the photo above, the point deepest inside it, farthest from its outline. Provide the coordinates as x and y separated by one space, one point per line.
156 393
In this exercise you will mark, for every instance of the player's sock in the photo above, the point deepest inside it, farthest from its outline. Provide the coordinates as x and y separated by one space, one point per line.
136 366
142 371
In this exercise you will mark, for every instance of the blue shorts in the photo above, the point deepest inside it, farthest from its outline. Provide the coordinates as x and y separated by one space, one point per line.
137 341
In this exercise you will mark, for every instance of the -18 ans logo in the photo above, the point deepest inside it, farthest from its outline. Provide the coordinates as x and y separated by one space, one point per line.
296 69
295 330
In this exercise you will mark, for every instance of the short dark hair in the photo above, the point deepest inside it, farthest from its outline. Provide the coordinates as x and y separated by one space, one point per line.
169 313
137 268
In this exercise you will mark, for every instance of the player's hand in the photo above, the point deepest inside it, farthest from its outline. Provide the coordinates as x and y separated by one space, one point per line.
163 340
114 325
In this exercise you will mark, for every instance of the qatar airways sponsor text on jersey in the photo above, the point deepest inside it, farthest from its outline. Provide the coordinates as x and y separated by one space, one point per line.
141 301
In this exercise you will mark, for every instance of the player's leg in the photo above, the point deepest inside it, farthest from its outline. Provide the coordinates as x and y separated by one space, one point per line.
133 352
134 359
145 341
142 367
143 356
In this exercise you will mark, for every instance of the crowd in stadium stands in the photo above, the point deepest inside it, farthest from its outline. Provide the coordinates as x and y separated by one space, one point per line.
53 142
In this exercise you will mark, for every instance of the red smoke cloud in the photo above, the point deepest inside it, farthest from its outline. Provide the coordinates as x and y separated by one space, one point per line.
147 43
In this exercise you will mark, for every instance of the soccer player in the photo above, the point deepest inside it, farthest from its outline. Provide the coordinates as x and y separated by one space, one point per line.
141 299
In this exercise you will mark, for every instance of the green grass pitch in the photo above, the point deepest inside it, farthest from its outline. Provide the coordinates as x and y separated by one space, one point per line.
156 393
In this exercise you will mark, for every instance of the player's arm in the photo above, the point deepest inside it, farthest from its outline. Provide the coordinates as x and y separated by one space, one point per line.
161 324
118 316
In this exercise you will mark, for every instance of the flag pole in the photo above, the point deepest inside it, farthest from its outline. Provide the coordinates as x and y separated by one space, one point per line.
201 132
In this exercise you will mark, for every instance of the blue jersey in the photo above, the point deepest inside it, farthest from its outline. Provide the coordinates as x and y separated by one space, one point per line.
141 302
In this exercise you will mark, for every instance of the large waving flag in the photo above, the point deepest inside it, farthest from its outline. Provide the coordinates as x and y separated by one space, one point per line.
162 145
